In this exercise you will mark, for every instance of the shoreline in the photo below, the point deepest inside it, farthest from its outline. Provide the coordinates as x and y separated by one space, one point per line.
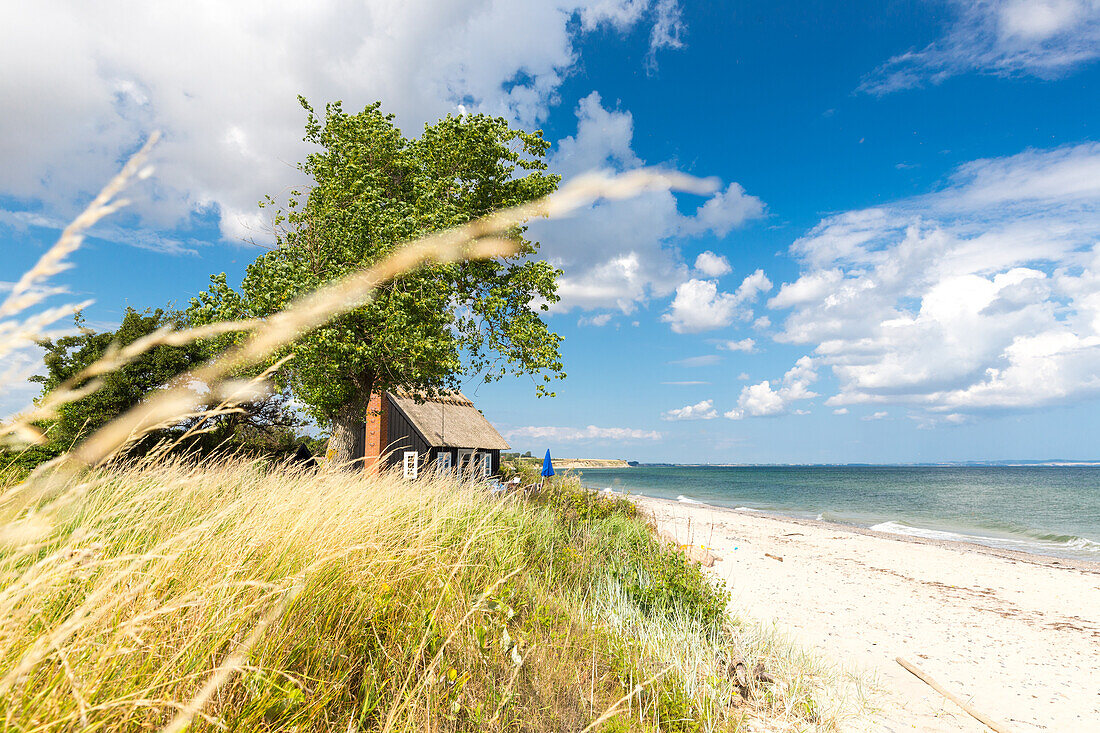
1038 558
1012 632
968 541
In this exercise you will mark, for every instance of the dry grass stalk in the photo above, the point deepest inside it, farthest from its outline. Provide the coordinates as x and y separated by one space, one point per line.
634 692
84 382
27 292
230 665
475 240
31 289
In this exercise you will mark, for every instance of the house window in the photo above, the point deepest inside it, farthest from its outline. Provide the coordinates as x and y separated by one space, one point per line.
411 463
486 464
465 461
443 462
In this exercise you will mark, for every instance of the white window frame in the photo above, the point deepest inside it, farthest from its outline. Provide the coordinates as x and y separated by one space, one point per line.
486 464
410 463
443 461
465 469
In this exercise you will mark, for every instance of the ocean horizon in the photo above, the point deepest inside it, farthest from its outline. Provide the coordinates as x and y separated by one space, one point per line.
1047 507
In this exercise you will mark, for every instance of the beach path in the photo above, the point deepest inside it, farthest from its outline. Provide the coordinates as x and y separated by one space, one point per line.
1018 637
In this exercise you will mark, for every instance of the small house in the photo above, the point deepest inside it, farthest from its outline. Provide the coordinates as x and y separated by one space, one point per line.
441 433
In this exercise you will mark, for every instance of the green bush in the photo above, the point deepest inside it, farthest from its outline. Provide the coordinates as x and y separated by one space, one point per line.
605 532
16 465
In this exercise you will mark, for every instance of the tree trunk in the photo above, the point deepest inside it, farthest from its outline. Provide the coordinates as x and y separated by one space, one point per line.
348 433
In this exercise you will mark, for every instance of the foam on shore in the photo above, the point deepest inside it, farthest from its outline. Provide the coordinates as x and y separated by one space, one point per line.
1041 544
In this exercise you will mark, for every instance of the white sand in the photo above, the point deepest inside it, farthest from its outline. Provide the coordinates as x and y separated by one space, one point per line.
1019 636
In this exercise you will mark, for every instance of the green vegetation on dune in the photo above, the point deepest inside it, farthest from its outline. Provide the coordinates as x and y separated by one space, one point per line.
337 602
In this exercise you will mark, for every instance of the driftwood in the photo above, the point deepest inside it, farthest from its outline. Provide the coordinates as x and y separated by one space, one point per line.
773 557
976 714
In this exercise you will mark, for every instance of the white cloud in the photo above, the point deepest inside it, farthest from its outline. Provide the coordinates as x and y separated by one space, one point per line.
725 211
1042 38
752 286
599 320
16 391
668 29
764 400
700 411
840 411
700 306
83 84
698 361
619 254
882 414
746 345
983 295
562 434
743 377
710 264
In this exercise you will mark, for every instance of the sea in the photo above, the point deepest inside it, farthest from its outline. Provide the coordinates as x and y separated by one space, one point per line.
1048 510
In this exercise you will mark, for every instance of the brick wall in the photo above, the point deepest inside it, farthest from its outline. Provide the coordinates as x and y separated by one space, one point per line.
378 427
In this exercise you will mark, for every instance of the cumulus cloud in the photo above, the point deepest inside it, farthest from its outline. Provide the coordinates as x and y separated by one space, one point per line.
983 295
710 264
725 211
598 320
747 345
1041 38
562 434
84 84
700 411
880 415
700 306
619 254
765 400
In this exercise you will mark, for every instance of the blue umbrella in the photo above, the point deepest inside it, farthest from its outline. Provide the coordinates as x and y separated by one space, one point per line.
547 465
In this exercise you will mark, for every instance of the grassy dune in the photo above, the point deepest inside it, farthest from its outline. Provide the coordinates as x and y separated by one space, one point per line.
238 597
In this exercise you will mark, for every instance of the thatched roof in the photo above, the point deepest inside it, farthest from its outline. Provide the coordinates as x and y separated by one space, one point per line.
449 421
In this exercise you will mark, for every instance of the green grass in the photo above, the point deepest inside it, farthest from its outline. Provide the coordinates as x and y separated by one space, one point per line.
237 597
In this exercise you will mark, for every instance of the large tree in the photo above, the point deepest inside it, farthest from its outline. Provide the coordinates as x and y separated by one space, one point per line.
373 189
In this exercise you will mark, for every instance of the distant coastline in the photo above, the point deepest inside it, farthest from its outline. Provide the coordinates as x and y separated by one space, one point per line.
575 463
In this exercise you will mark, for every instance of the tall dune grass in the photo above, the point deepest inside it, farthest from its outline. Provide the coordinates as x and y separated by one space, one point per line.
238 596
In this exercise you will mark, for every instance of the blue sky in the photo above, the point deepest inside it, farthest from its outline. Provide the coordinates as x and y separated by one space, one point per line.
900 264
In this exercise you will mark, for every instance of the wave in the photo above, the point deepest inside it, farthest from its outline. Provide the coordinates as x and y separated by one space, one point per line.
1045 543
687 500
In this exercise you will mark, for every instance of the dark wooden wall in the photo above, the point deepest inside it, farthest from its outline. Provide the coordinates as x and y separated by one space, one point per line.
402 436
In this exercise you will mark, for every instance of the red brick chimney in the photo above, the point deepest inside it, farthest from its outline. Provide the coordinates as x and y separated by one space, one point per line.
378 428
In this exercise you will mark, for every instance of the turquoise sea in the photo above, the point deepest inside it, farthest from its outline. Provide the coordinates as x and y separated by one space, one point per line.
1051 510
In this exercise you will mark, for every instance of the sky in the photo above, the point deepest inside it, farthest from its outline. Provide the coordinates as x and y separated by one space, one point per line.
900 262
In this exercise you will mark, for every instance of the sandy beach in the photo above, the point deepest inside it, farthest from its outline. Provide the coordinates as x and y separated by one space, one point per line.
1016 635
